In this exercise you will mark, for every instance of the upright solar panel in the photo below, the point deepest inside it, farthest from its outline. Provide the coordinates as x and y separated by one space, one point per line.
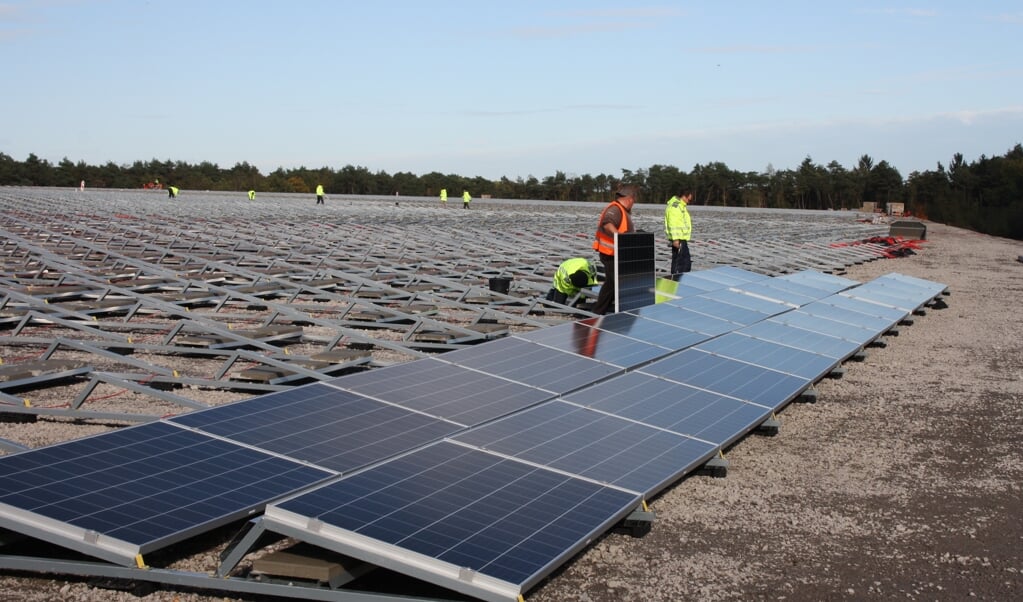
442 389
130 491
726 376
322 425
532 364
475 522
595 445
673 406
634 271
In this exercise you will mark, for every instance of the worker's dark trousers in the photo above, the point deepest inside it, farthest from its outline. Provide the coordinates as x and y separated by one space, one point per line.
681 262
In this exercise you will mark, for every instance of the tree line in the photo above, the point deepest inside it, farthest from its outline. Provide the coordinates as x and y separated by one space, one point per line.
985 195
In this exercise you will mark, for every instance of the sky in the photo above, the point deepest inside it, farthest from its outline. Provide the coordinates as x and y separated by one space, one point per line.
513 88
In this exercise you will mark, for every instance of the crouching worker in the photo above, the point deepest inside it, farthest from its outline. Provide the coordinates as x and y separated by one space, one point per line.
572 276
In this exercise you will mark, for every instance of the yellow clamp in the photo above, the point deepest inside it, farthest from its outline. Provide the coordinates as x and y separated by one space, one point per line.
139 562
26 403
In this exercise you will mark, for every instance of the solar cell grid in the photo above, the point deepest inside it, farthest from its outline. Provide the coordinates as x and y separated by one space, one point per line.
582 339
442 389
148 485
673 406
760 352
594 445
628 324
532 364
790 335
323 425
820 324
741 380
715 307
453 507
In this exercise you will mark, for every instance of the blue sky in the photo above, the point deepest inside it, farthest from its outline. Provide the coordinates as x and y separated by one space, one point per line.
514 88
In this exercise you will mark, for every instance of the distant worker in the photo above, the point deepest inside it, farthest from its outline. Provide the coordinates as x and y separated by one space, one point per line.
81 186
615 218
319 194
572 276
172 192
443 195
252 195
465 199
678 227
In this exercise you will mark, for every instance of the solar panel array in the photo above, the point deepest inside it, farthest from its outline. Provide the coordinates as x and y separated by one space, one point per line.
482 469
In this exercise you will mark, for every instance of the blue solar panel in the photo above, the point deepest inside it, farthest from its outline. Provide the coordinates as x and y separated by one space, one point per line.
790 293
890 315
726 275
804 364
747 382
738 315
595 445
532 364
441 389
679 408
322 425
584 340
827 283
860 335
787 334
476 522
856 317
148 485
656 333
765 307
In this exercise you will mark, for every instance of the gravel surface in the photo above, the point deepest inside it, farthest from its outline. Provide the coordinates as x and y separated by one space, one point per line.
903 481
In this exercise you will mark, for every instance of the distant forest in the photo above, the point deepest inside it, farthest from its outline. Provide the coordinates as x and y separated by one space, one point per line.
985 195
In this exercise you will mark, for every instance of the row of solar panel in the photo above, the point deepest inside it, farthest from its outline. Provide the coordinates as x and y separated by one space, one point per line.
513 498
113 497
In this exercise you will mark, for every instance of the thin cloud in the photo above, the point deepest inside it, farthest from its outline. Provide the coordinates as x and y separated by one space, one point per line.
903 12
1013 19
538 111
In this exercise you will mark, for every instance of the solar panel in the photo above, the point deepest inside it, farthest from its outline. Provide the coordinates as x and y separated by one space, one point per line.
889 315
679 316
634 271
532 364
657 333
472 521
727 275
793 294
827 283
673 406
856 317
760 352
136 489
756 384
445 390
322 425
788 334
861 335
738 315
582 339
765 307
591 444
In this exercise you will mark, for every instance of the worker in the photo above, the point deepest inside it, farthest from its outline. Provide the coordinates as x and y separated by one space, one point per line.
571 277
443 195
615 218
678 227
465 199
252 195
172 192
319 194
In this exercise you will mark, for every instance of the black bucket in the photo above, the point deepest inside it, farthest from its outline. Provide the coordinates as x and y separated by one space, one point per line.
500 285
